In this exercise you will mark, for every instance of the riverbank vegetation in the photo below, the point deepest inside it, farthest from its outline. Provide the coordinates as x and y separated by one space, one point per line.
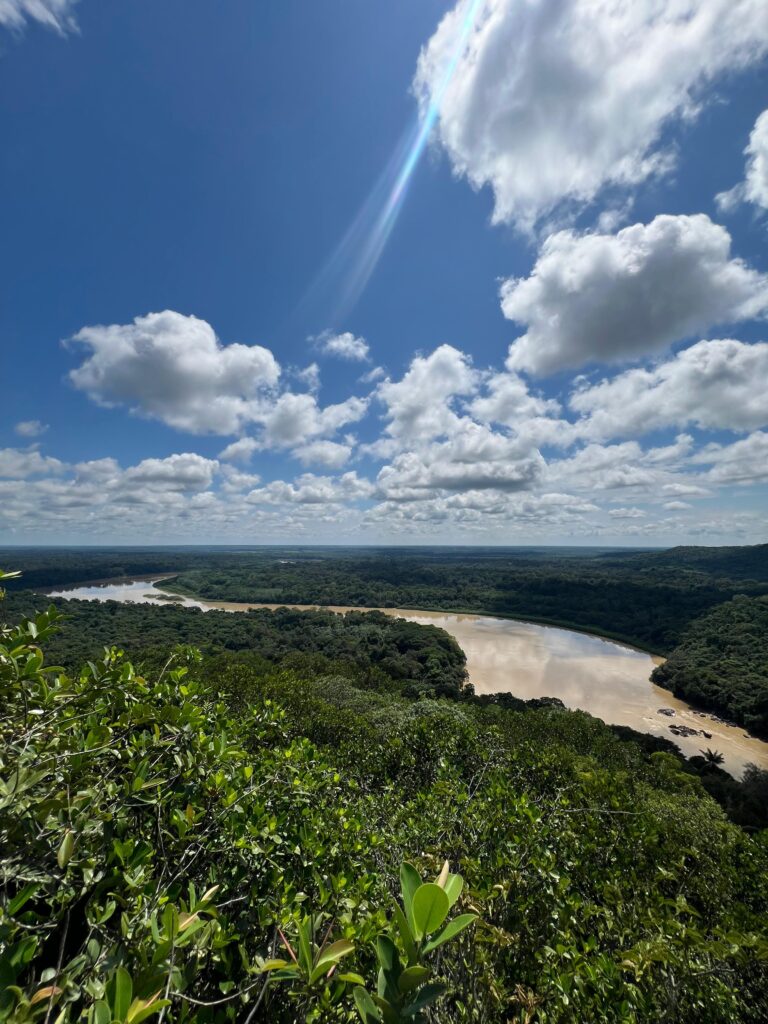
166 837
721 663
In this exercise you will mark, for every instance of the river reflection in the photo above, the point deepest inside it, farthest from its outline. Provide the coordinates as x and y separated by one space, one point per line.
604 678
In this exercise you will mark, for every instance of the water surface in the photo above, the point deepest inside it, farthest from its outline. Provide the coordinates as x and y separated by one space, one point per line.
607 679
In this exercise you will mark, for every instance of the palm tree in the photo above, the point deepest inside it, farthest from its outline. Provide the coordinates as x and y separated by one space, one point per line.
712 757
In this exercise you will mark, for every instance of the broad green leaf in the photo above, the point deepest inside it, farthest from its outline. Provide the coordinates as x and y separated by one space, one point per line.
369 1012
410 880
122 992
453 928
429 910
412 977
329 957
101 1012
351 978
406 936
453 886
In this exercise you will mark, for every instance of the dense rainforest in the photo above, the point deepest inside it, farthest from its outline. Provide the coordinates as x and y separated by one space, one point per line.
234 837
650 598
721 662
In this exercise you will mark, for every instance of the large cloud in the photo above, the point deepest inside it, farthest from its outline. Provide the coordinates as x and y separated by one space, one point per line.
555 99
173 368
712 385
55 14
613 298
419 407
754 188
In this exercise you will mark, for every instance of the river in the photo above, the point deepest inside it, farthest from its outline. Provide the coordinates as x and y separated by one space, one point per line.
607 679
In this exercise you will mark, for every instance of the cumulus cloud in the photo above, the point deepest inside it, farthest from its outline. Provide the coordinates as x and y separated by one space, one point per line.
324 453
172 367
716 385
419 407
19 463
554 100
613 298
30 428
309 489
239 451
345 346
754 188
185 472
743 462
295 419
55 14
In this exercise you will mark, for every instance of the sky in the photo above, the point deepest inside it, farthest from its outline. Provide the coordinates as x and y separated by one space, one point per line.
488 272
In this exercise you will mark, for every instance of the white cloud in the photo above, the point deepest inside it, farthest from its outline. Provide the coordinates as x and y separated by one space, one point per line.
295 419
419 407
19 463
324 453
613 298
309 489
719 384
172 367
474 458
676 506
30 428
754 188
743 462
55 14
627 513
310 376
239 451
345 346
557 99
185 472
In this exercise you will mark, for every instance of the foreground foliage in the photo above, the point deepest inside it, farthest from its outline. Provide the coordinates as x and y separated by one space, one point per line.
164 838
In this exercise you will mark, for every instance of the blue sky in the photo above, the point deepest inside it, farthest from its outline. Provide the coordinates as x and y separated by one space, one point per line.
559 338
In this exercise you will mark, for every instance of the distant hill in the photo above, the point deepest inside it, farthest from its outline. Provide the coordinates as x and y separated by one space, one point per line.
743 562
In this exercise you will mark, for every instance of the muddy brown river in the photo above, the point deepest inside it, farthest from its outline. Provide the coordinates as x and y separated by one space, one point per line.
605 678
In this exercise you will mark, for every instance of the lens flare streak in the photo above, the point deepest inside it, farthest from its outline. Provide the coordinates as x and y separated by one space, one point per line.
354 260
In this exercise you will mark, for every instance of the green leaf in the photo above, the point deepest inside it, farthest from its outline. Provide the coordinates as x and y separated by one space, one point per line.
429 994
21 898
329 957
351 977
406 936
429 909
412 977
101 1012
142 1008
122 991
305 944
453 886
369 1013
386 951
66 849
410 880
458 924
